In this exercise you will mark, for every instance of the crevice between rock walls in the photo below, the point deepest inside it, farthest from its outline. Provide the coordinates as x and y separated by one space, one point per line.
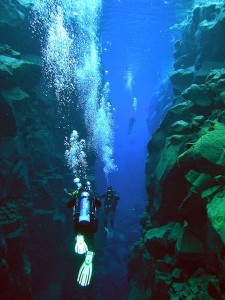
180 254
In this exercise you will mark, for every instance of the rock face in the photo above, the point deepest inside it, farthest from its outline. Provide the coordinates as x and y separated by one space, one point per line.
181 252
33 173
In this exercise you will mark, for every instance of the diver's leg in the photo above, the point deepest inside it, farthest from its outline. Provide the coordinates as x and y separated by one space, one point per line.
105 217
112 218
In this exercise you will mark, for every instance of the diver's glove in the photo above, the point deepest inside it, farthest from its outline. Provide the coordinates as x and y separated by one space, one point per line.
85 272
80 246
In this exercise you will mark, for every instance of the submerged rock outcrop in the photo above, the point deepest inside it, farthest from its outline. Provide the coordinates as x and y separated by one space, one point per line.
180 254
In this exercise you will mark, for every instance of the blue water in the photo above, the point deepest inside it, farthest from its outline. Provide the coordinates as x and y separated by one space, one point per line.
137 53
134 47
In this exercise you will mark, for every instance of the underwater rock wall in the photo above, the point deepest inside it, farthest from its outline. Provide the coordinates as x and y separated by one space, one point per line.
34 232
180 254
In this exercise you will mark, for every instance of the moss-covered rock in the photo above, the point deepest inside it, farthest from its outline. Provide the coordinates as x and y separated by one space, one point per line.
209 147
180 126
197 94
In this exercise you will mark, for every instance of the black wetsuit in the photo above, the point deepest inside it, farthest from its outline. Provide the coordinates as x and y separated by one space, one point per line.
110 204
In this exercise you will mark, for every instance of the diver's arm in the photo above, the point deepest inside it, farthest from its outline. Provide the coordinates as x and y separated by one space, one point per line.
72 200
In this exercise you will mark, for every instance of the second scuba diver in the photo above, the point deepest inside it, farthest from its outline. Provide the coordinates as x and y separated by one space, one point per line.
110 204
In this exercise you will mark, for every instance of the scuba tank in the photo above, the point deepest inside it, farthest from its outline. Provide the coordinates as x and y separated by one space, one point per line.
84 207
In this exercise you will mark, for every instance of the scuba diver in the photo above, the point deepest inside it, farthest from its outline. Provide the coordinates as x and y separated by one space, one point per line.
110 204
84 205
131 124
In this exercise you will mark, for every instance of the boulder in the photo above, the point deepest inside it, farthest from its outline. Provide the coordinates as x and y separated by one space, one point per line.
161 241
185 61
202 73
182 79
198 180
180 126
177 112
197 94
209 147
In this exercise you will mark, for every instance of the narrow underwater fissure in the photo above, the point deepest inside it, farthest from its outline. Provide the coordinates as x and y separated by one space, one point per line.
83 86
